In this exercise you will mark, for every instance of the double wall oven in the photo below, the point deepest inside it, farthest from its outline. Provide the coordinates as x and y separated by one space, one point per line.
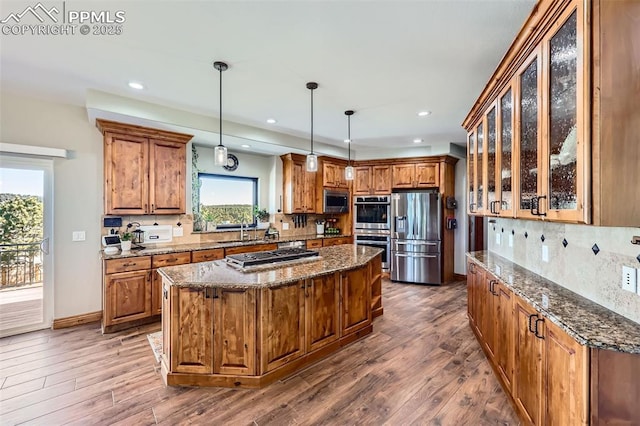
372 224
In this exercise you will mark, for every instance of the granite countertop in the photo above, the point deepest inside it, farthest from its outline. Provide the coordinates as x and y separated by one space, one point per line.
218 274
177 248
587 322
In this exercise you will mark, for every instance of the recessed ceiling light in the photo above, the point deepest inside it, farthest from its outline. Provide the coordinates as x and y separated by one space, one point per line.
347 140
244 145
424 113
136 85
417 140
272 120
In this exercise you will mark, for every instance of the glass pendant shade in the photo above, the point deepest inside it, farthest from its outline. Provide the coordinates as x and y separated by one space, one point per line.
348 173
220 155
312 163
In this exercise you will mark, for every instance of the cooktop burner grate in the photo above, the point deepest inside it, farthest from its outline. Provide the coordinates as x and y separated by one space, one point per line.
262 257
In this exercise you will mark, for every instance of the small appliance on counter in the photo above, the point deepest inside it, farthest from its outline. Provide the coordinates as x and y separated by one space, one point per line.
157 233
319 227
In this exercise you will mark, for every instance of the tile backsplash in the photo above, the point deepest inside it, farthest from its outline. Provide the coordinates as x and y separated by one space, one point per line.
587 260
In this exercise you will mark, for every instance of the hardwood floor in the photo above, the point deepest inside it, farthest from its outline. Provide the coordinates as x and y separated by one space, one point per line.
421 365
20 306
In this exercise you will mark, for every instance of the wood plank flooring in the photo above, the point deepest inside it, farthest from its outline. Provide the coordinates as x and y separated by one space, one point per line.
421 365
20 307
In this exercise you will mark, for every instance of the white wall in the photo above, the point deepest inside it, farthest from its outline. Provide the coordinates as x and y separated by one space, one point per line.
77 193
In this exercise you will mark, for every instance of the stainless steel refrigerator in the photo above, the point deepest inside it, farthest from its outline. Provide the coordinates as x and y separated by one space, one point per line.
416 232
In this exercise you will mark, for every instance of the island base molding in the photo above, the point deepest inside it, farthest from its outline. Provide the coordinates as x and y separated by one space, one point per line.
257 382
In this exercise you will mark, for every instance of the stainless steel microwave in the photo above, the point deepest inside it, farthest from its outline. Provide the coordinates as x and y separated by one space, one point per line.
335 201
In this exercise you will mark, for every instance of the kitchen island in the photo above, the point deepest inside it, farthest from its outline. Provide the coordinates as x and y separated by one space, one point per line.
247 328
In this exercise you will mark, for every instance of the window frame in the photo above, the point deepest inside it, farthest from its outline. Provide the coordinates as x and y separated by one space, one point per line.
254 180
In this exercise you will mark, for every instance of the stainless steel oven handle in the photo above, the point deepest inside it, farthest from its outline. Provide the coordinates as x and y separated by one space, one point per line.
417 243
430 256
371 243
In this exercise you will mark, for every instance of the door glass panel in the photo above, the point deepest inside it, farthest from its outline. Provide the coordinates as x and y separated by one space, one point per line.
471 172
528 135
491 156
562 117
479 194
506 136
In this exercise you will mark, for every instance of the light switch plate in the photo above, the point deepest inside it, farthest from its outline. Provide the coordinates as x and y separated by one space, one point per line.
510 240
78 236
545 253
629 281
498 239
285 226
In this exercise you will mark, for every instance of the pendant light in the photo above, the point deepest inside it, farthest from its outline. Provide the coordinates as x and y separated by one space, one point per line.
348 171
220 151
312 159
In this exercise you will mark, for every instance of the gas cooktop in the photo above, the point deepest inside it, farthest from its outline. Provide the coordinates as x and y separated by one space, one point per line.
261 257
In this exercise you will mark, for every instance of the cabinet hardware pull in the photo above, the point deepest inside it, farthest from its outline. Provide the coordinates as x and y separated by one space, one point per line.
173 259
537 199
215 293
129 264
530 318
165 293
472 208
492 289
539 336
153 207
206 293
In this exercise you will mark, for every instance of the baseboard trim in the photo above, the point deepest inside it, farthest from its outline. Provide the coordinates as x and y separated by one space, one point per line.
459 277
76 320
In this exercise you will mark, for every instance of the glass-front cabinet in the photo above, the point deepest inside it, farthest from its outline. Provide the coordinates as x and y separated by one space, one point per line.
504 164
471 173
491 161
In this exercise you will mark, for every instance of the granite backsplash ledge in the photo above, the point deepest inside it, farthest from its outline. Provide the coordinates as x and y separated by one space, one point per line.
585 259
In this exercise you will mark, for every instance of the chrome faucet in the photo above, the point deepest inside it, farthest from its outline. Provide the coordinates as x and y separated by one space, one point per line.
242 231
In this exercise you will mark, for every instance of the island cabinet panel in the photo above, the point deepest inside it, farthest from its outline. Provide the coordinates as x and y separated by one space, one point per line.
235 331
527 383
282 327
191 330
356 300
159 261
375 275
128 297
322 296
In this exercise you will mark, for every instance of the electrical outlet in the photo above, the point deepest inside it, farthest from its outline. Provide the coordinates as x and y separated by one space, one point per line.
177 231
498 239
629 279
498 269
545 253
545 301
510 279
285 226
510 240
78 236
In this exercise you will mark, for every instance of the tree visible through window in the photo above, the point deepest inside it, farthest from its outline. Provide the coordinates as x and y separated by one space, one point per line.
228 201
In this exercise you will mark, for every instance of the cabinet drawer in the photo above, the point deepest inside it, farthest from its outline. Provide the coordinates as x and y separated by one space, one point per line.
336 241
171 259
206 255
127 264
249 249
314 243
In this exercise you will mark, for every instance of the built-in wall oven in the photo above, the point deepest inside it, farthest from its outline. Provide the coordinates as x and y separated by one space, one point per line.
378 239
372 212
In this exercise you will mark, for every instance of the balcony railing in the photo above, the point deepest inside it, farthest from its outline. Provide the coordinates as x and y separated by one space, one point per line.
20 264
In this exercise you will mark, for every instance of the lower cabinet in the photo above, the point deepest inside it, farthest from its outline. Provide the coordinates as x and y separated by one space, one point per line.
159 261
375 277
327 242
129 297
322 311
356 300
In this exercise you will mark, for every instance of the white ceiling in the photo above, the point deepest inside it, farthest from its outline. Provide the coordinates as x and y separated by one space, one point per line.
385 59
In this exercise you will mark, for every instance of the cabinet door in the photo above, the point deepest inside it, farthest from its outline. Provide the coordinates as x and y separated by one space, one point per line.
491 207
472 165
489 314
528 364
479 296
299 176
427 175
529 163
565 153
403 175
166 324
504 174
356 300
282 328
480 169
191 330
471 274
160 261
167 171
323 311
381 179
375 275
504 334
362 180
126 165
309 193
128 297
235 333
566 379
329 175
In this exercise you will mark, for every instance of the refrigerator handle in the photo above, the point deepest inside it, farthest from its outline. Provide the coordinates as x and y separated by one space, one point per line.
400 223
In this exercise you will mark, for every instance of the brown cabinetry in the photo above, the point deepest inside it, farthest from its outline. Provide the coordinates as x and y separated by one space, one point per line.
127 290
333 175
249 249
144 170
207 255
370 180
334 241
415 175
356 300
311 244
375 278
299 186
322 297
159 261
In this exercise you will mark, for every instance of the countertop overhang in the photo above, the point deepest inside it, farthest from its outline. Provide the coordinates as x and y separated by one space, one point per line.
218 274
589 323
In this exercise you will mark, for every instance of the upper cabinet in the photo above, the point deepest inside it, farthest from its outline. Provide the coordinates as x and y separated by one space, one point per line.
415 175
333 175
551 136
299 186
370 180
144 170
